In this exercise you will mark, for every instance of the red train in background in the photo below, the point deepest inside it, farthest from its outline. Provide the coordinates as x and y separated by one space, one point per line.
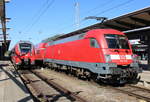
37 54
20 54
103 54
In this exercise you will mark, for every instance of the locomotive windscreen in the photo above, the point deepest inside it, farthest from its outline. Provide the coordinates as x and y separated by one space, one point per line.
117 41
25 47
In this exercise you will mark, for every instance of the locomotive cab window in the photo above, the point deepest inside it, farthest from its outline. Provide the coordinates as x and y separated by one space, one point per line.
94 43
25 47
116 41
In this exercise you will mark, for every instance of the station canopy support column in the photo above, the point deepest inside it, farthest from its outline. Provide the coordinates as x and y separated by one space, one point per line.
148 51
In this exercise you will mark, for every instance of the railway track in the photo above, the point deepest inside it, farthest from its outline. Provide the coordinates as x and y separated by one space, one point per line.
135 91
131 90
36 83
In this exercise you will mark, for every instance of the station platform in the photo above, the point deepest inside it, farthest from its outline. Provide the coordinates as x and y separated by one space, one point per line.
12 88
145 76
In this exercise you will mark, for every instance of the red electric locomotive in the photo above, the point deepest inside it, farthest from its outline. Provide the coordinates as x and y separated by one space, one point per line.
104 54
20 53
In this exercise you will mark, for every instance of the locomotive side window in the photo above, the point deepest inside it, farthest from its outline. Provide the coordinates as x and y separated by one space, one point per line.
94 43
116 41
49 43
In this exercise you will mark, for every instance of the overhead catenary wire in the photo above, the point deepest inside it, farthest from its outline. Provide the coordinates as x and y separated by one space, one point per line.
37 13
49 4
104 11
114 7
99 5
81 20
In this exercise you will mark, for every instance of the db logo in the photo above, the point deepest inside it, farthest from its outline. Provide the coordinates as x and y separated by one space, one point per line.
122 57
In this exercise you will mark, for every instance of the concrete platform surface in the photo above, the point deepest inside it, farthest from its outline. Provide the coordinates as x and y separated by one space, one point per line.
145 76
12 88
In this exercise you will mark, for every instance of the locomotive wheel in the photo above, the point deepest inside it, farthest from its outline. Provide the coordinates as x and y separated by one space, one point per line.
78 73
66 71
94 77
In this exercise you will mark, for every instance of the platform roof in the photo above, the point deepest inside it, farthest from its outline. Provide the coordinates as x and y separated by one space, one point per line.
138 20
2 16
134 20
2 12
3 19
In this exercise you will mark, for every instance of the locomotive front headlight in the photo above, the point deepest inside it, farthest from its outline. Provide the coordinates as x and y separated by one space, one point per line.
108 58
129 57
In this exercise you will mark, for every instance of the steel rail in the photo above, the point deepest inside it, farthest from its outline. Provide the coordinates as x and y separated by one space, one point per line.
123 91
26 81
144 89
38 93
65 91
134 94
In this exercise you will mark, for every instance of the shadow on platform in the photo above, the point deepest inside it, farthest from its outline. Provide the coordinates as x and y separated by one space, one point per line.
26 99
4 79
17 82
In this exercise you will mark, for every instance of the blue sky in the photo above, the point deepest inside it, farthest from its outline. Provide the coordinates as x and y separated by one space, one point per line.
36 20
